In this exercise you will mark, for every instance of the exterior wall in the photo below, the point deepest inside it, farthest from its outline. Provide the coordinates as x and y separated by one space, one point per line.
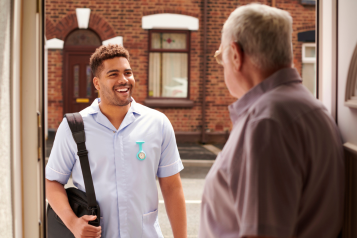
124 19
55 97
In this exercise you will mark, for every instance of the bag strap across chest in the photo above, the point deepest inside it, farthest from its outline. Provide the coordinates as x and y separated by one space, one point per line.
75 122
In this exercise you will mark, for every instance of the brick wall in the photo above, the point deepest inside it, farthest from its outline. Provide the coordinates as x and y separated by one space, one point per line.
55 99
123 18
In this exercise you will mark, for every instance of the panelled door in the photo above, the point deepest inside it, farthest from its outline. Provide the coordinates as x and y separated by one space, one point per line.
78 88
80 91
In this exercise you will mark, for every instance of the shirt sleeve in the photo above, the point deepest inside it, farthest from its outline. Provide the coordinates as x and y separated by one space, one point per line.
267 193
62 157
170 162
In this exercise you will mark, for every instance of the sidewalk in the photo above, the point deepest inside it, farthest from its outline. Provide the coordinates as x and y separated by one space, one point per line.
197 155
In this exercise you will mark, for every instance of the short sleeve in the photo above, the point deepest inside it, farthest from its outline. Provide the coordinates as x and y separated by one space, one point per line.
170 162
62 157
267 194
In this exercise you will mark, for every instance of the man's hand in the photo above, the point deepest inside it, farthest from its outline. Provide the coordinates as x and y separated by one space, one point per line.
80 227
175 205
57 198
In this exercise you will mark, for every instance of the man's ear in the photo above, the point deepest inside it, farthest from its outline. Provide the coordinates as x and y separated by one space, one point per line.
96 83
237 56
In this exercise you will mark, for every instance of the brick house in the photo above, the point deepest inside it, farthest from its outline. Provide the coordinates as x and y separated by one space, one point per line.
171 45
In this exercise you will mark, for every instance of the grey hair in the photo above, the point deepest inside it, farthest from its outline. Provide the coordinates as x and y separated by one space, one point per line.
264 33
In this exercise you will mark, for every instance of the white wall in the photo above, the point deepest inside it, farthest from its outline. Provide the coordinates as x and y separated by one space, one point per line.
6 228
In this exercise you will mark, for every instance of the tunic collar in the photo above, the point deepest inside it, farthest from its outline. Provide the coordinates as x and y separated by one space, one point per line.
283 76
103 120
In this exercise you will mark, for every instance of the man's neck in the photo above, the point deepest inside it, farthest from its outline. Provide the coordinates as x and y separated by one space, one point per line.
115 114
257 76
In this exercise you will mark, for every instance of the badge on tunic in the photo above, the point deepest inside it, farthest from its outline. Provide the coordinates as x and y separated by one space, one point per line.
141 154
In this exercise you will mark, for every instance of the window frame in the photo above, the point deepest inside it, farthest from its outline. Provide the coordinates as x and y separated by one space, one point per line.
308 59
170 101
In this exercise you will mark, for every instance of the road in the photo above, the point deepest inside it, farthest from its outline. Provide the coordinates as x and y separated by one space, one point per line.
193 179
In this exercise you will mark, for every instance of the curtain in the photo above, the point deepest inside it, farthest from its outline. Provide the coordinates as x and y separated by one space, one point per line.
168 71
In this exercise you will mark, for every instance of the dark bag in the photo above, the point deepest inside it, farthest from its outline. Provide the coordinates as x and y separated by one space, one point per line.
81 203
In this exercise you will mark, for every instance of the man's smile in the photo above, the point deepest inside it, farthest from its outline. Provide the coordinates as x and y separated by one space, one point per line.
123 89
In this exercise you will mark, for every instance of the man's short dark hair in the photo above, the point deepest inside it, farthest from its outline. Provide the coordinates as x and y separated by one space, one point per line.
103 53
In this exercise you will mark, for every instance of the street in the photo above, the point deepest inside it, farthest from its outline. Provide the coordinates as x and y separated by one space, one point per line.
193 179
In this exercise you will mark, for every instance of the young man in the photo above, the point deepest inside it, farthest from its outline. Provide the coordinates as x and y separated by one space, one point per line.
281 172
116 128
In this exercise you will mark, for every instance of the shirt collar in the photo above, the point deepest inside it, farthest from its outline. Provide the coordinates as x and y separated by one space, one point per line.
100 118
94 107
283 76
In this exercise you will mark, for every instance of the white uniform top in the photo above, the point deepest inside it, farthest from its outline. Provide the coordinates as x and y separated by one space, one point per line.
125 186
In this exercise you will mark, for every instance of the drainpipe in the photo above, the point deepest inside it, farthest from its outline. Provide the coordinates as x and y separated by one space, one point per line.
273 3
203 139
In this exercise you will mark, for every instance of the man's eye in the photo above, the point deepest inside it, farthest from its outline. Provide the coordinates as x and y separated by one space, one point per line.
113 75
128 73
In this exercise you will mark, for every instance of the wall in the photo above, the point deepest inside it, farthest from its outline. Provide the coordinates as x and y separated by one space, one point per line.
55 97
6 229
125 18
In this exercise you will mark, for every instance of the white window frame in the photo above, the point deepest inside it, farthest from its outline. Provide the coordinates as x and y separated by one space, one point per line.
308 59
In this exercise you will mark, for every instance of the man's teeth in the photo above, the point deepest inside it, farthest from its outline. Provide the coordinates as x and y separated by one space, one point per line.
123 90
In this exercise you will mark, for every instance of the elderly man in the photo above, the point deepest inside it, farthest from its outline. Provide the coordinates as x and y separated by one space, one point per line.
281 172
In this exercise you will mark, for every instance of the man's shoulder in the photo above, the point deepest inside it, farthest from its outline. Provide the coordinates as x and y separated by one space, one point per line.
147 111
86 112
286 104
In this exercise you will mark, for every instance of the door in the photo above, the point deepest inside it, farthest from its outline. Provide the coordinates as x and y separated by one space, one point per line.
80 91
347 105
78 88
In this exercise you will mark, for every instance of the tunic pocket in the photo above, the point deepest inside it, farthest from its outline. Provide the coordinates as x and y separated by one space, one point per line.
151 227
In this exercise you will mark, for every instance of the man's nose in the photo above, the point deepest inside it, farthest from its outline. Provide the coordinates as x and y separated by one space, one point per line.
123 78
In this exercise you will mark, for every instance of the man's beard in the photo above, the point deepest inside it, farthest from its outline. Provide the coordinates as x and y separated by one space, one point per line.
110 95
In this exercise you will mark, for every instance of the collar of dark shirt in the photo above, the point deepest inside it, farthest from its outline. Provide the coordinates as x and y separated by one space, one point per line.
283 76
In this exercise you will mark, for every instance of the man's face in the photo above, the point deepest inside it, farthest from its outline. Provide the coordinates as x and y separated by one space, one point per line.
116 82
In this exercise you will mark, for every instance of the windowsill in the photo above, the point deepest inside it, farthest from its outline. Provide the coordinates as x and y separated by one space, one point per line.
166 103
308 2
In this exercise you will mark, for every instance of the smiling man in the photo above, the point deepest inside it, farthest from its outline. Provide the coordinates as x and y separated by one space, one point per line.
129 145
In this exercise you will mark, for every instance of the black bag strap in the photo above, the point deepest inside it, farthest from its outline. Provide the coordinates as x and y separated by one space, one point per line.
75 122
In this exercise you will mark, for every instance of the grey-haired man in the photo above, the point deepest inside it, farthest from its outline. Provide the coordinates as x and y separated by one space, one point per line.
281 172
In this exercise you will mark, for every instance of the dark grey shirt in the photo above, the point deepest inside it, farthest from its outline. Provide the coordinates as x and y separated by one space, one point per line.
281 172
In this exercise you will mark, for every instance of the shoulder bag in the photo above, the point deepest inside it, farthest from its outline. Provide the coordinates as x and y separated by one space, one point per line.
82 203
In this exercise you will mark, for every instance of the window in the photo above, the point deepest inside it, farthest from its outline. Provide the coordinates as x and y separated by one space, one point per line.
309 67
169 54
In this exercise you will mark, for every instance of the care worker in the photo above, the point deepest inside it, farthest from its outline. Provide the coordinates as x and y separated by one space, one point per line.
129 145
